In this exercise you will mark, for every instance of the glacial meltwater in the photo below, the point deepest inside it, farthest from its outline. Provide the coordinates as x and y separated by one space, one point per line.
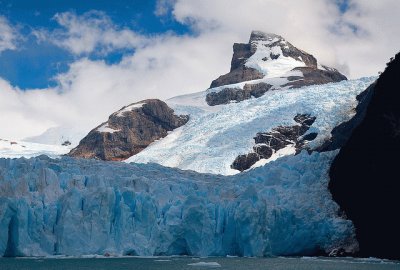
180 263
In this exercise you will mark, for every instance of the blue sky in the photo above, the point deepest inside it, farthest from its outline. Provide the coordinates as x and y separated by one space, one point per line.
35 63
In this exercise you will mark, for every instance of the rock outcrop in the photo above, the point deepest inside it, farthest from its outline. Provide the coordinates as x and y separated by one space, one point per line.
365 174
239 72
129 130
268 143
313 76
228 95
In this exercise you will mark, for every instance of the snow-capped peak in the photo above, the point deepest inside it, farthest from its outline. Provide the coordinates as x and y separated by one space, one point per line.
259 35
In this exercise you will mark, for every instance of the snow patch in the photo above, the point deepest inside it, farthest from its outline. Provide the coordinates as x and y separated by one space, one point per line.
129 108
106 129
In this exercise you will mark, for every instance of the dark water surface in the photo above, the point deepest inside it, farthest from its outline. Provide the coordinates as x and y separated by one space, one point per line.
169 263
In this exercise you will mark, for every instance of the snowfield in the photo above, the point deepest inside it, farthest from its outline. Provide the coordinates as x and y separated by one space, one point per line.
215 136
76 207
16 149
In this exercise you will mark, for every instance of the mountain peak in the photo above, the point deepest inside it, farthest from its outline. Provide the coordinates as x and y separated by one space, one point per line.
259 35
268 56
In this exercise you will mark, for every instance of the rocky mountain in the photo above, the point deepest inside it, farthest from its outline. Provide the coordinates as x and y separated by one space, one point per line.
364 175
268 56
129 131
249 116
267 62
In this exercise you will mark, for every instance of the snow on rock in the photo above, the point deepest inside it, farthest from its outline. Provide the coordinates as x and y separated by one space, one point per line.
215 136
269 58
288 150
130 108
75 207
106 129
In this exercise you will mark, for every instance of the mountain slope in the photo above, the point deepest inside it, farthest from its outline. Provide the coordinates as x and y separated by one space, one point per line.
216 135
225 118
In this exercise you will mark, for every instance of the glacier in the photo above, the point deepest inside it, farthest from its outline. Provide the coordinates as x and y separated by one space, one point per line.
216 135
76 207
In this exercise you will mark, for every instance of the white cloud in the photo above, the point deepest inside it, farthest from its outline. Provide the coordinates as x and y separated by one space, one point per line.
316 26
92 31
163 7
91 90
9 35
167 65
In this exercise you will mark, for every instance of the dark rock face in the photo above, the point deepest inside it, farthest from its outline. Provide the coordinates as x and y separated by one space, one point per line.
241 52
127 132
227 95
314 76
257 89
365 178
268 143
243 162
240 74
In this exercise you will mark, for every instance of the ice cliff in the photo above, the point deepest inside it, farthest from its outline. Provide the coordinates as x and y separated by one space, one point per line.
73 207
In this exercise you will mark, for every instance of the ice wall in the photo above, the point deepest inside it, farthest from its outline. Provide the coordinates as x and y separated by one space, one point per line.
75 207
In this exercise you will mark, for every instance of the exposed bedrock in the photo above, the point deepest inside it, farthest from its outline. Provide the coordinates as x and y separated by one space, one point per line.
228 95
240 74
129 131
365 178
268 143
312 76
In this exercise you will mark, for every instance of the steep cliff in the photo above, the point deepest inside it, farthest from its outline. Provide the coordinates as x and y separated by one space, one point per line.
365 177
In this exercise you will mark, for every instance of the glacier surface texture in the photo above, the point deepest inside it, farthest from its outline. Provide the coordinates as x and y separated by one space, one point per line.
216 135
75 207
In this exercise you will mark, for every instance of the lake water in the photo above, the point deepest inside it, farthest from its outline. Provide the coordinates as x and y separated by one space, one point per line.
178 263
